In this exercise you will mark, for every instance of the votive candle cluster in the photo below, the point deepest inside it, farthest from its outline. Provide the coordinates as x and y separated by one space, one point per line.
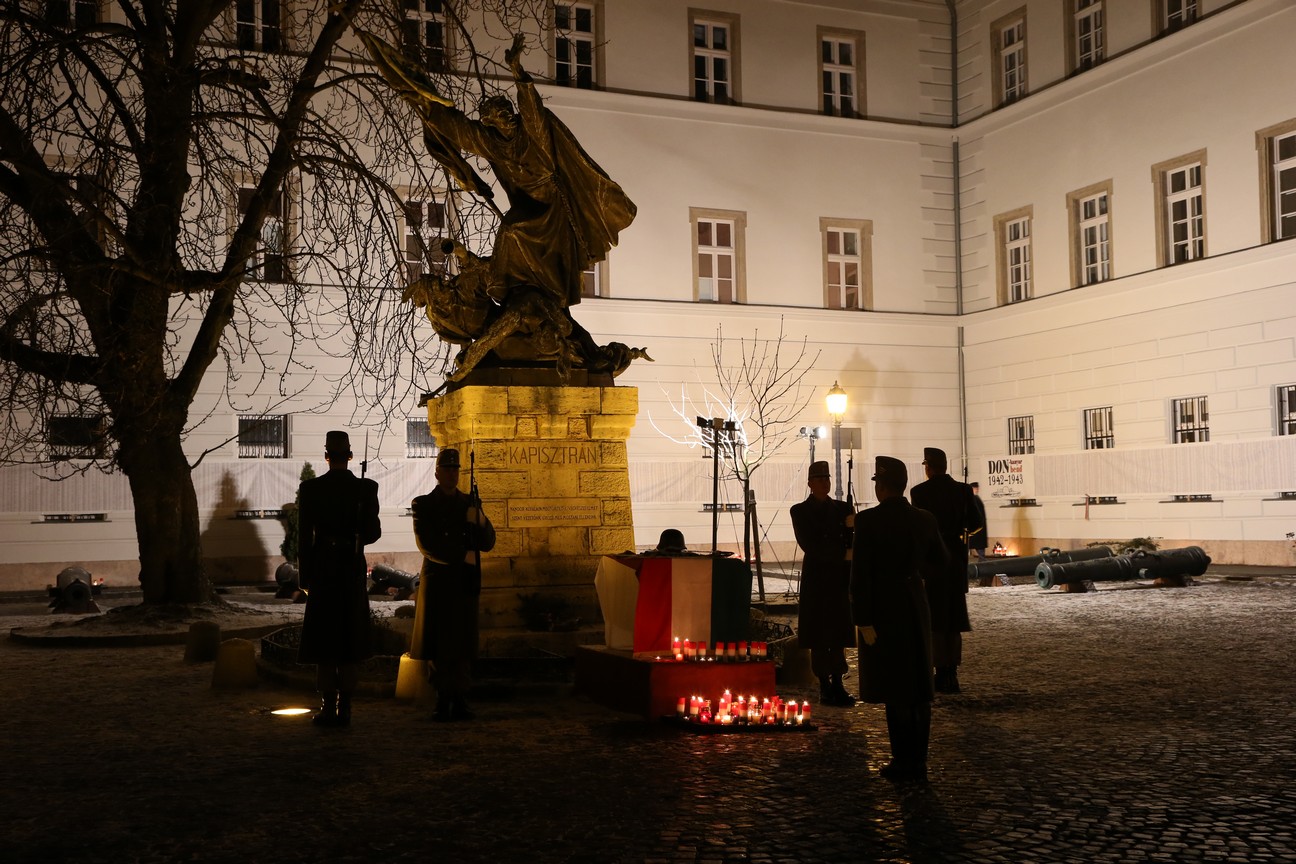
742 710
688 650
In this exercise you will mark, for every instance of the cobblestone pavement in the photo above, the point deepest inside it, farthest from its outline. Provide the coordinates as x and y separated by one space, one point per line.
1124 725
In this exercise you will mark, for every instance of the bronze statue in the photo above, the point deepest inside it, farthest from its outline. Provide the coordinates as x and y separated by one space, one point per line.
564 214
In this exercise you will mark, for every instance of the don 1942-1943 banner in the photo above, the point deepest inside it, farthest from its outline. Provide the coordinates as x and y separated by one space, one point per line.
1009 477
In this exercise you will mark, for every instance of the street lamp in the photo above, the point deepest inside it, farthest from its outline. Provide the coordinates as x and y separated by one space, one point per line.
837 409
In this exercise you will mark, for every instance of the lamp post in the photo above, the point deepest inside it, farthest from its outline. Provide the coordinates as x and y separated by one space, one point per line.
837 409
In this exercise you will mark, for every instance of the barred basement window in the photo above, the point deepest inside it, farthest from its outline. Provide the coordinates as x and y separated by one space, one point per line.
419 442
77 436
1287 409
263 436
1098 429
1021 435
1191 420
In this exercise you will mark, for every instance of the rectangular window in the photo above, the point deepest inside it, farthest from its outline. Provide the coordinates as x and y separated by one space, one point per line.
1277 148
847 251
72 14
1181 208
425 222
269 263
594 280
419 443
1098 429
1013 236
1286 409
263 436
258 25
1021 435
840 58
423 33
1174 14
715 260
719 249
1089 212
77 436
714 57
1191 420
575 44
1010 57
1086 41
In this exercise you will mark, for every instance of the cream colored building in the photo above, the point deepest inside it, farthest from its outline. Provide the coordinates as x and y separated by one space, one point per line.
1067 220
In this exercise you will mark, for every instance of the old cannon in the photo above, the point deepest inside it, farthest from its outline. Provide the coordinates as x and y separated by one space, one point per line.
392 582
1025 565
1166 564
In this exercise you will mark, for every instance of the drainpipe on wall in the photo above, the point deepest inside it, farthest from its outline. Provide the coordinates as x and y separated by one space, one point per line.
956 179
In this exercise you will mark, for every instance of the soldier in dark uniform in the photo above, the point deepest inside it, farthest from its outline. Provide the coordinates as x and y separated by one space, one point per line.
895 543
953 505
823 619
451 531
337 517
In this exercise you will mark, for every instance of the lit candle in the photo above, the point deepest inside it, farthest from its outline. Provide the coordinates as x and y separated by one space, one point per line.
805 712
726 719
676 645
689 649
702 650
725 701
694 705
789 716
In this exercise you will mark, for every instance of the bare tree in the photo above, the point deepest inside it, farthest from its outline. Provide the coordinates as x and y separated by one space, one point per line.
179 194
761 393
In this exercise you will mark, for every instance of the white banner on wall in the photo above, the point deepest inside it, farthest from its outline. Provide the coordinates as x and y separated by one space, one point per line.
1009 477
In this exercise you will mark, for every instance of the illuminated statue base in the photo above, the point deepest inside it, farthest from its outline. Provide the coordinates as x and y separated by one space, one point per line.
551 468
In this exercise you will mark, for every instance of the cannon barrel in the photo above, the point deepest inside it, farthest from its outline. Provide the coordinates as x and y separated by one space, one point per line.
1167 563
388 576
1027 564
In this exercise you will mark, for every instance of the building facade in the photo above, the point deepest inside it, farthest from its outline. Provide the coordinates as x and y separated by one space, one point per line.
1051 229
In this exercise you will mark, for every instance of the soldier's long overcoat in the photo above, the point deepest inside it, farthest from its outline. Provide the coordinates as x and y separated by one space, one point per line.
894 543
823 619
337 518
951 502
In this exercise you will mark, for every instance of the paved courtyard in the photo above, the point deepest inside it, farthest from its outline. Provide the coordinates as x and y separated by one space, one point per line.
1125 725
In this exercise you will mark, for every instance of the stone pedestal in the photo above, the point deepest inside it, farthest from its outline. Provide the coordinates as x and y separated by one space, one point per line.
550 463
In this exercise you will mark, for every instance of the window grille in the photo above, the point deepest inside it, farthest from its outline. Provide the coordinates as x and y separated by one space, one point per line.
1191 420
1021 435
1098 431
77 436
419 442
263 436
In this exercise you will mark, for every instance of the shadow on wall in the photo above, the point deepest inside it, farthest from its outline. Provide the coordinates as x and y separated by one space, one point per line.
234 550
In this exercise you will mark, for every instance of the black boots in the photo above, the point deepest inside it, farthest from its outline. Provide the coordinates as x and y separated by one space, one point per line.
335 710
833 692
328 713
947 679
909 729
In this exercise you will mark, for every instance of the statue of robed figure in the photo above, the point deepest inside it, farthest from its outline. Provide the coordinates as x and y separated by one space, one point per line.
564 213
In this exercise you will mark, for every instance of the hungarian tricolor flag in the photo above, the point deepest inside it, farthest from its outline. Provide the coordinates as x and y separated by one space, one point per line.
699 597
